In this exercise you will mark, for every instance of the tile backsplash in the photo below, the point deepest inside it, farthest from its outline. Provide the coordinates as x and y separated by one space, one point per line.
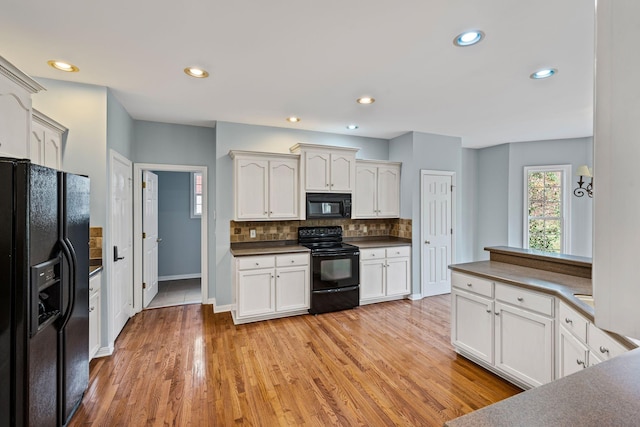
95 245
288 230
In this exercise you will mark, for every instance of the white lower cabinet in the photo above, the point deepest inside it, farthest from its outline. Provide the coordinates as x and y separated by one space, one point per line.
385 274
506 329
271 286
580 343
95 283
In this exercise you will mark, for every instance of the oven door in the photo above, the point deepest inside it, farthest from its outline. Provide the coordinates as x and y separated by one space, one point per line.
334 270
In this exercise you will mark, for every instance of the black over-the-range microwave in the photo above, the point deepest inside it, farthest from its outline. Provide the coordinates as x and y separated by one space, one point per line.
328 205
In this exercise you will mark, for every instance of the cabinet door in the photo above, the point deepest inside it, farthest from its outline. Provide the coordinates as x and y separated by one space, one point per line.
372 279
343 172
364 198
398 273
388 190
15 123
256 292
472 324
317 171
283 189
94 324
52 150
252 178
292 288
524 344
572 354
37 143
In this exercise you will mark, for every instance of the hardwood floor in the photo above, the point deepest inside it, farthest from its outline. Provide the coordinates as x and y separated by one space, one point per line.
377 365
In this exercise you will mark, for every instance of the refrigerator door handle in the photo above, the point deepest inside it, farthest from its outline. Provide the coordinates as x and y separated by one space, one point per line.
69 256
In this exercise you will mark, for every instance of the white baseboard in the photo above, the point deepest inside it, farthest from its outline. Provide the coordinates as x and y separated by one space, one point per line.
104 351
414 297
223 308
179 277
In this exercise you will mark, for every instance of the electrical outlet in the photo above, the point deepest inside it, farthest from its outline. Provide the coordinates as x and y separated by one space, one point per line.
252 233
364 229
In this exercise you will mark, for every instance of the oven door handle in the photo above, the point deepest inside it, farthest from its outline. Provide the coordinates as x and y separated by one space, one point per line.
336 254
335 290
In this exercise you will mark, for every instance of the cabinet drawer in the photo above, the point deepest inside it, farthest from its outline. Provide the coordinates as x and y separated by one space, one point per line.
472 284
95 282
398 251
253 262
525 299
573 321
289 260
378 253
602 344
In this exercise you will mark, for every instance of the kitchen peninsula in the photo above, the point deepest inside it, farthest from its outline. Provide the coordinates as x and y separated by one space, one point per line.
528 316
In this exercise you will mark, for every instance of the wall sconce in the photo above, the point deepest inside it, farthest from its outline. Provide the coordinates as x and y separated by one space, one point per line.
584 172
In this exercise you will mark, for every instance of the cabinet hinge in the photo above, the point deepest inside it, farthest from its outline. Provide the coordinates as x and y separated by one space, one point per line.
144 285
144 184
144 235
452 188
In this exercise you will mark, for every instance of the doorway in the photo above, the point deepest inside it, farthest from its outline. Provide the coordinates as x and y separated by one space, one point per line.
437 217
171 287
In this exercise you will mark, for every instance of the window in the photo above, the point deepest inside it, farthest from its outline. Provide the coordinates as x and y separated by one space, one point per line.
546 213
196 195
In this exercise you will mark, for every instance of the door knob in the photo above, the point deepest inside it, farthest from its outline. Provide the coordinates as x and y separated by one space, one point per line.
115 254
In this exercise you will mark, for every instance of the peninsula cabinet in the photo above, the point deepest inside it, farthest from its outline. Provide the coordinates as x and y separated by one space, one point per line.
95 283
16 89
270 286
265 186
504 328
385 274
326 169
46 140
377 193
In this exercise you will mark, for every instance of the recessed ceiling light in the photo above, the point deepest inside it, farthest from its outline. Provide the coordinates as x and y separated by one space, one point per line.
63 66
196 72
468 38
352 127
366 100
543 74
293 119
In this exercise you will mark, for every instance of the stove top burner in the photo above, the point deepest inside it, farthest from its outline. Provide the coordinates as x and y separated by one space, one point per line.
324 240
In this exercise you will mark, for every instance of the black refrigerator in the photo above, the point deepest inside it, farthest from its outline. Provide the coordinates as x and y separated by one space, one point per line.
44 294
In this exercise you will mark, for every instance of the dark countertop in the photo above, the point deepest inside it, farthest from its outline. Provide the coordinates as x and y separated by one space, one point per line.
94 269
377 242
607 394
537 254
267 248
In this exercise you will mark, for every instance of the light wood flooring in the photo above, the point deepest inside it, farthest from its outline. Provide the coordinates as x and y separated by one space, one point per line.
377 365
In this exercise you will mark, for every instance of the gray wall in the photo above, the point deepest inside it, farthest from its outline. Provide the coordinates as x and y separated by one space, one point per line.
179 250
418 151
500 189
163 143
235 136
492 189
119 127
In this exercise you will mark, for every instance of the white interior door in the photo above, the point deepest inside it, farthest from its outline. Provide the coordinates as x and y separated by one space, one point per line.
150 236
122 241
437 230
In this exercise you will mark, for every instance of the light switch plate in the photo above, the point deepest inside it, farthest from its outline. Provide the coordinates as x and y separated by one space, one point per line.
252 233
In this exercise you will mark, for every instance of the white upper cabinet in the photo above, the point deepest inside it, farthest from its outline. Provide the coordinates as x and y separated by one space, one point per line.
265 186
616 153
377 191
15 110
46 140
327 169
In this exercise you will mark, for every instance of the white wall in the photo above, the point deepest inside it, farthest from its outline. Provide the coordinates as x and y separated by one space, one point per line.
235 136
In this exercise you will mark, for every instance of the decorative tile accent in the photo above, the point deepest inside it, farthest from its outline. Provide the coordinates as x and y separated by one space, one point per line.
95 245
288 230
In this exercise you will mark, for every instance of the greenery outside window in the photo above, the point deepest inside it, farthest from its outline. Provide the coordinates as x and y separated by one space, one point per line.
546 210
196 195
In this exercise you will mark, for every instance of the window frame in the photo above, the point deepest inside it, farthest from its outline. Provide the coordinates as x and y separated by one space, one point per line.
194 194
565 209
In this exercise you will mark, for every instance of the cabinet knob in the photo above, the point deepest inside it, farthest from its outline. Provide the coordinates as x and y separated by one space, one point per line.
278 276
488 310
326 185
497 313
91 309
292 261
580 362
257 263
469 284
520 299
567 320
265 212
90 289
604 349
332 185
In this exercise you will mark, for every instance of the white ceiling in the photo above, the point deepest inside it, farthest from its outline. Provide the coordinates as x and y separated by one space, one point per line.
313 58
